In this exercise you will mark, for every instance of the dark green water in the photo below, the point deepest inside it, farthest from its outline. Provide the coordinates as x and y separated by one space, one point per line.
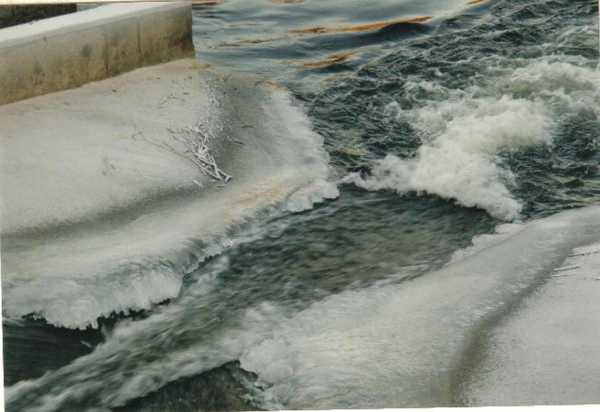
386 99
438 131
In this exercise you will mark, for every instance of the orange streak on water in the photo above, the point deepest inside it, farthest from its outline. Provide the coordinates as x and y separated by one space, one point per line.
205 3
362 27
331 59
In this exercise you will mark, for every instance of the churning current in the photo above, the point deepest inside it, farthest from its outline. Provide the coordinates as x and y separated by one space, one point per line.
435 166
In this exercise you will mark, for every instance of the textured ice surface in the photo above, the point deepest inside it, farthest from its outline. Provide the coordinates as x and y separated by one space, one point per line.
400 345
397 345
100 215
546 352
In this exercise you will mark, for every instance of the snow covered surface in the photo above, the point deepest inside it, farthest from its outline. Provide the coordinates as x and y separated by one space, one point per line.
70 155
103 211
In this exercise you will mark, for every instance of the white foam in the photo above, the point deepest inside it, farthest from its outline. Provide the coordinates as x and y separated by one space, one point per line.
139 357
457 159
304 199
72 282
566 83
463 131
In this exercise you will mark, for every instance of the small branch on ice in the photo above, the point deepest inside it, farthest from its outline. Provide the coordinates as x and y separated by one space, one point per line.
196 149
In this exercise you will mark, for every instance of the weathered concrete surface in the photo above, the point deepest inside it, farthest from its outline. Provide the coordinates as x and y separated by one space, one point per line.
68 51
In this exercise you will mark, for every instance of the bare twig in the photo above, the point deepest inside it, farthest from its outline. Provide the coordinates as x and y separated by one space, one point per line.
195 143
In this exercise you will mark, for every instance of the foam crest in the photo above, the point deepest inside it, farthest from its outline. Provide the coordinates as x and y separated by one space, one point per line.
465 132
461 137
565 83
304 199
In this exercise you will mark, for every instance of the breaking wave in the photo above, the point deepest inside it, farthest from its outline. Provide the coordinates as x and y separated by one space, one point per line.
465 133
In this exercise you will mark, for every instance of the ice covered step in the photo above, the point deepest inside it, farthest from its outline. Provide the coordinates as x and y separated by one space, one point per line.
546 352
111 192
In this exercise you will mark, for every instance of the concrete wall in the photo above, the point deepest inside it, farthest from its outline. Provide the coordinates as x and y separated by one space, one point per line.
67 51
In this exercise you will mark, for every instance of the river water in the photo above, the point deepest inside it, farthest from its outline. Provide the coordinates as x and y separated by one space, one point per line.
446 125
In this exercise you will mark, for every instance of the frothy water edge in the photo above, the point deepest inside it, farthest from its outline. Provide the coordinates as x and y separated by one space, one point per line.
291 353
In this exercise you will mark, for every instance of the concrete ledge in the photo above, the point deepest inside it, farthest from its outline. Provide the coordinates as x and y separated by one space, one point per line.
68 51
